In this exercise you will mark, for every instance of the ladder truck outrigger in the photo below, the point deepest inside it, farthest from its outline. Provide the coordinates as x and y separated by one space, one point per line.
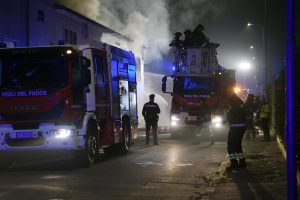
74 100
199 85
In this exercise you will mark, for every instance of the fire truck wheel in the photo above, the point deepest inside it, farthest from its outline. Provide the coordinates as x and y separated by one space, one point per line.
89 155
8 163
126 140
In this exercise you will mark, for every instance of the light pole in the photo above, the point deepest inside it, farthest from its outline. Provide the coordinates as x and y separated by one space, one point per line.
264 47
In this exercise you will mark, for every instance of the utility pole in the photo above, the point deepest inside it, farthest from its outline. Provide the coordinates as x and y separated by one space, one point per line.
265 47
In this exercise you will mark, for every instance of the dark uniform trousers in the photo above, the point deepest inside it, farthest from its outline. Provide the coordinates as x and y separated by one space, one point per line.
234 142
151 123
150 112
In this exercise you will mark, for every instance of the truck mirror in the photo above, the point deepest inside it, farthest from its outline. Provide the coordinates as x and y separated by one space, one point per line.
164 87
85 62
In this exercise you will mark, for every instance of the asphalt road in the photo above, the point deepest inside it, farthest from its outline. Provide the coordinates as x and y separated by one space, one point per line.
175 169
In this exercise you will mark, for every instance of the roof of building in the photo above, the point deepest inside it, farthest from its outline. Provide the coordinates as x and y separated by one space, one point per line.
65 10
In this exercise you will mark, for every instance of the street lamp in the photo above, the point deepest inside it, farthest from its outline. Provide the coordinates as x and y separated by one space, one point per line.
264 47
244 66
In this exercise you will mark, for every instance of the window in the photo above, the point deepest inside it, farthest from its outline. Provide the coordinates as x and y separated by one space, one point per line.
132 73
132 100
40 16
70 37
124 98
99 70
33 73
77 89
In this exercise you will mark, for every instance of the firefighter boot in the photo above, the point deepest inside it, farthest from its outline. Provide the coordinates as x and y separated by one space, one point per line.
147 138
242 163
233 164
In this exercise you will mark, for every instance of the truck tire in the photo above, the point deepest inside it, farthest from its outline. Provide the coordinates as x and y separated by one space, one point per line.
125 139
88 156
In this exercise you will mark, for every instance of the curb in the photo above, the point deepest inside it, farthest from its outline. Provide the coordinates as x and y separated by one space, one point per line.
283 151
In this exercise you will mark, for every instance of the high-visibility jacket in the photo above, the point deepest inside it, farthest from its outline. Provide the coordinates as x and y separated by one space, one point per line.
265 111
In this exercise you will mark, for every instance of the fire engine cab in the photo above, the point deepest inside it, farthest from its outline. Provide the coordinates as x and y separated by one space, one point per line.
199 85
66 99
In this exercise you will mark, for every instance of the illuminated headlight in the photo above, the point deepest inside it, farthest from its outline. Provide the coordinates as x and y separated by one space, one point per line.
174 118
216 119
63 133
217 125
173 123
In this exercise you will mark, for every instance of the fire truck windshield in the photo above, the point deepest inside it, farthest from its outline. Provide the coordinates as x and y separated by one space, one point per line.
186 86
33 73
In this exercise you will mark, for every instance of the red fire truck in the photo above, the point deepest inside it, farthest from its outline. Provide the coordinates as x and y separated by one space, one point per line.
66 99
199 86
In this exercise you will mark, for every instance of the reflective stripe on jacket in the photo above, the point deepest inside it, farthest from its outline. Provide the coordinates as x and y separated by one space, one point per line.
265 110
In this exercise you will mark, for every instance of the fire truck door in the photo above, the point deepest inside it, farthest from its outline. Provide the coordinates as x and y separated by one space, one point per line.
116 112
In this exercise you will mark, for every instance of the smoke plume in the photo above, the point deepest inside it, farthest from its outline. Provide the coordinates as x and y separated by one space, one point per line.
145 22
187 14
149 23
88 8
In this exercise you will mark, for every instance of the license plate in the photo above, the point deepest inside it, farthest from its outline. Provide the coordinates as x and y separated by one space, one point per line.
184 114
25 135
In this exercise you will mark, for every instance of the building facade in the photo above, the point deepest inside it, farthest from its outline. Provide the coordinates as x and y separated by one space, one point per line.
44 22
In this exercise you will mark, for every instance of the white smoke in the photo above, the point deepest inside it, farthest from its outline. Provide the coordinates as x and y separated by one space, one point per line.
145 22
88 8
162 99
148 22
187 14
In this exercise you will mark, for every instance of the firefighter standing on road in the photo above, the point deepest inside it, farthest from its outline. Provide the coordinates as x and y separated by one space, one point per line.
150 113
237 122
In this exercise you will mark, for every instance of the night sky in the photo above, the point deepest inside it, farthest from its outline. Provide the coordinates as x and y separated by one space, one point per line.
225 23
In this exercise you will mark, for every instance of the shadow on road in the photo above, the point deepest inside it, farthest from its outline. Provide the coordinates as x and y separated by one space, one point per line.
249 186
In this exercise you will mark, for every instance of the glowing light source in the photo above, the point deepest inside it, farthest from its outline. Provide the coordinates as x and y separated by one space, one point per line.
244 66
237 89
173 123
218 125
63 133
69 51
216 119
174 118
